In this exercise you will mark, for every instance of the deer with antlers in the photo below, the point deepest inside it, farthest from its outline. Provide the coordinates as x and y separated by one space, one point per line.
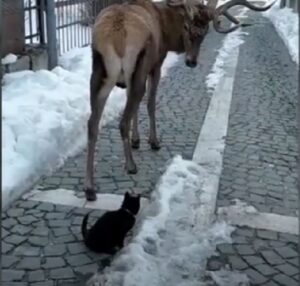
129 44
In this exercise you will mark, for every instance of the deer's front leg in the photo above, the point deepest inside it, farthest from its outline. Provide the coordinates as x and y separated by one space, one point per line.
153 82
135 138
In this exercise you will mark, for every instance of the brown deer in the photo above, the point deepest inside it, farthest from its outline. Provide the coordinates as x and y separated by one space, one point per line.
129 44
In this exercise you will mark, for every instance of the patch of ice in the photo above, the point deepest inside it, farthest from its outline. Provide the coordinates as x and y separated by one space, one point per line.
9 59
169 248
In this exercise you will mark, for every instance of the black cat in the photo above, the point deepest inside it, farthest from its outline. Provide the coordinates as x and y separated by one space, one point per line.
108 233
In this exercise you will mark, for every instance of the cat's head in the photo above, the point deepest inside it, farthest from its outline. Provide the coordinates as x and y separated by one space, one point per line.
131 202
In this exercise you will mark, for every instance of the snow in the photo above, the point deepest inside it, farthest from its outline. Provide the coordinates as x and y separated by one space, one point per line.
230 42
9 59
44 119
225 277
168 248
286 23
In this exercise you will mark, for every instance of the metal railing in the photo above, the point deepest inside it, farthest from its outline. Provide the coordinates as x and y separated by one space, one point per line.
34 21
61 24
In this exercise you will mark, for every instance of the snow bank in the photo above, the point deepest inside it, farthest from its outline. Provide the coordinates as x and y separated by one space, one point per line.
44 117
9 59
169 248
286 23
230 42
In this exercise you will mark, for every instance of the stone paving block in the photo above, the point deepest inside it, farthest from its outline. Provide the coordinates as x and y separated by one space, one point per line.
12 275
78 259
294 261
76 247
272 258
55 215
59 231
285 280
265 269
237 263
253 260
289 238
27 204
21 229
226 248
29 263
53 262
4 233
41 231
59 223
61 273
288 269
244 249
245 232
266 234
8 260
38 240
45 207
26 250
55 250
5 247
15 212
8 223
87 269
286 252
256 277
65 239
34 276
14 239
27 219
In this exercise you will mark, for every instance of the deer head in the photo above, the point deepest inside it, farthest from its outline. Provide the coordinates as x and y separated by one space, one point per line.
196 18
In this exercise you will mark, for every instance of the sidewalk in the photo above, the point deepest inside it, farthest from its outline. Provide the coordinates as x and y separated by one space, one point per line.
41 241
260 159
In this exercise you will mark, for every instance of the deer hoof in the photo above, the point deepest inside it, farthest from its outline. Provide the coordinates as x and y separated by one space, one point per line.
135 144
154 146
90 195
131 169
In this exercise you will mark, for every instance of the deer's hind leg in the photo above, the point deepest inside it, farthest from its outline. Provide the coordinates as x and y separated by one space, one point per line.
100 88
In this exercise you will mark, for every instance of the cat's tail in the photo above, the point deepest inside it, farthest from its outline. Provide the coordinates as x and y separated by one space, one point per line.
84 230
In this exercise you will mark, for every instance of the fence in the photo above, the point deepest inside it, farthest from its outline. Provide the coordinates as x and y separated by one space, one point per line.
294 4
61 24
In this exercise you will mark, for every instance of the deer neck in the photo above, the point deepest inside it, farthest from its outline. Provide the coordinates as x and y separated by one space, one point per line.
172 27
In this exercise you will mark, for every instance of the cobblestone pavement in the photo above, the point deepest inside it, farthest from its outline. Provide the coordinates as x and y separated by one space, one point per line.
260 158
41 242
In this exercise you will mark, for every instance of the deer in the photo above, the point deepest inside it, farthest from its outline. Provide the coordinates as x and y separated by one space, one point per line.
129 44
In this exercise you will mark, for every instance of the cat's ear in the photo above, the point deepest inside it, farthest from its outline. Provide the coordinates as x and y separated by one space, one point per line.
127 195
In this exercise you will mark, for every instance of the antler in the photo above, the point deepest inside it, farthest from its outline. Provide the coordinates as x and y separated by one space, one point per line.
223 10
189 5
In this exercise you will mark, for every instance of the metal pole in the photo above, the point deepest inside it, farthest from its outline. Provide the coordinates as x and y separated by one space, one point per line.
40 20
1 28
51 34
